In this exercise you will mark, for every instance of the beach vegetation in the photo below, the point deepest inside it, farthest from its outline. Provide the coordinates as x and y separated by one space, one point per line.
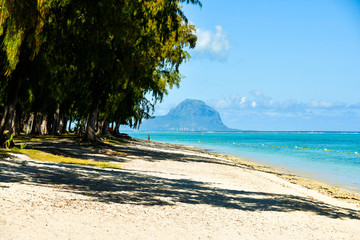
40 138
97 64
9 139
59 158
23 145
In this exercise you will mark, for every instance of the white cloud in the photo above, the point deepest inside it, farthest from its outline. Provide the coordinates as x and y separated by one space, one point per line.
326 104
222 103
257 111
204 39
243 100
259 103
213 45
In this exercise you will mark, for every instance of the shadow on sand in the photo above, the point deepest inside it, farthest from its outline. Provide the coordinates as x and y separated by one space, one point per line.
149 151
134 187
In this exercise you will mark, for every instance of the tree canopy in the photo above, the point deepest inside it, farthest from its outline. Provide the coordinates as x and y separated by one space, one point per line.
93 62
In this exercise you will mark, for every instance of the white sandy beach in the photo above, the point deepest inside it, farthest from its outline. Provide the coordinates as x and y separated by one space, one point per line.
162 192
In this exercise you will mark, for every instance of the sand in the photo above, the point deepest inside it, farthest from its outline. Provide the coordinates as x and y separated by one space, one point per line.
164 191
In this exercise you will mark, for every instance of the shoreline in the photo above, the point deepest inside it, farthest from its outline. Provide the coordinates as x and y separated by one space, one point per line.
162 191
309 156
318 185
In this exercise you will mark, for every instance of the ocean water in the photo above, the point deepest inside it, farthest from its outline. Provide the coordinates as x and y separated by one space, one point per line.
329 157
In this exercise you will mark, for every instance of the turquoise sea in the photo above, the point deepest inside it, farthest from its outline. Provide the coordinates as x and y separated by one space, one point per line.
330 157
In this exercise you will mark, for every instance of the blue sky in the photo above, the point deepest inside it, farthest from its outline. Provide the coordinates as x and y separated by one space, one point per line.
275 64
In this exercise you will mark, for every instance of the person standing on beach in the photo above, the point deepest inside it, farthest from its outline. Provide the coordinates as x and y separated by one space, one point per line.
149 137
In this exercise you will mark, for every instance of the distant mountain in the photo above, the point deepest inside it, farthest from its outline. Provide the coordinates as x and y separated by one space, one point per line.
189 116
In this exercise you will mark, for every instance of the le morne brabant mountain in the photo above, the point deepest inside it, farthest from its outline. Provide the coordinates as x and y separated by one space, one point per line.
189 116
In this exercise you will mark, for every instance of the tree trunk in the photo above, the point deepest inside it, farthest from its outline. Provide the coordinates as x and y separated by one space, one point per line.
7 121
32 129
44 125
56 122
117 127
8 117
70 121
50 120
30 123
90 134
77 126
60 125
13 122
64 125
96 124
36 127
18 124
82 127
17 127
105 127
100 127
23 122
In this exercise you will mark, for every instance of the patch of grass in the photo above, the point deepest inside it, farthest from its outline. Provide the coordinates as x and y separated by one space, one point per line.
47 157
40 138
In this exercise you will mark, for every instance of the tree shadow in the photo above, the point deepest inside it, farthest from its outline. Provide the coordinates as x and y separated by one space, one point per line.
151 152
142 188
73 149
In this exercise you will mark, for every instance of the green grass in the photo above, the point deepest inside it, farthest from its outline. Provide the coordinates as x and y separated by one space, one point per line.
47 157
31 138
59 156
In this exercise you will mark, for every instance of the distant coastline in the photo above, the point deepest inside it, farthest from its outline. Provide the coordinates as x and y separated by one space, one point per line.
190 115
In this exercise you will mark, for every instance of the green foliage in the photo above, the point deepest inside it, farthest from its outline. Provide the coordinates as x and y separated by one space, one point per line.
12 43
23 21
9 139
117 57
23 145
